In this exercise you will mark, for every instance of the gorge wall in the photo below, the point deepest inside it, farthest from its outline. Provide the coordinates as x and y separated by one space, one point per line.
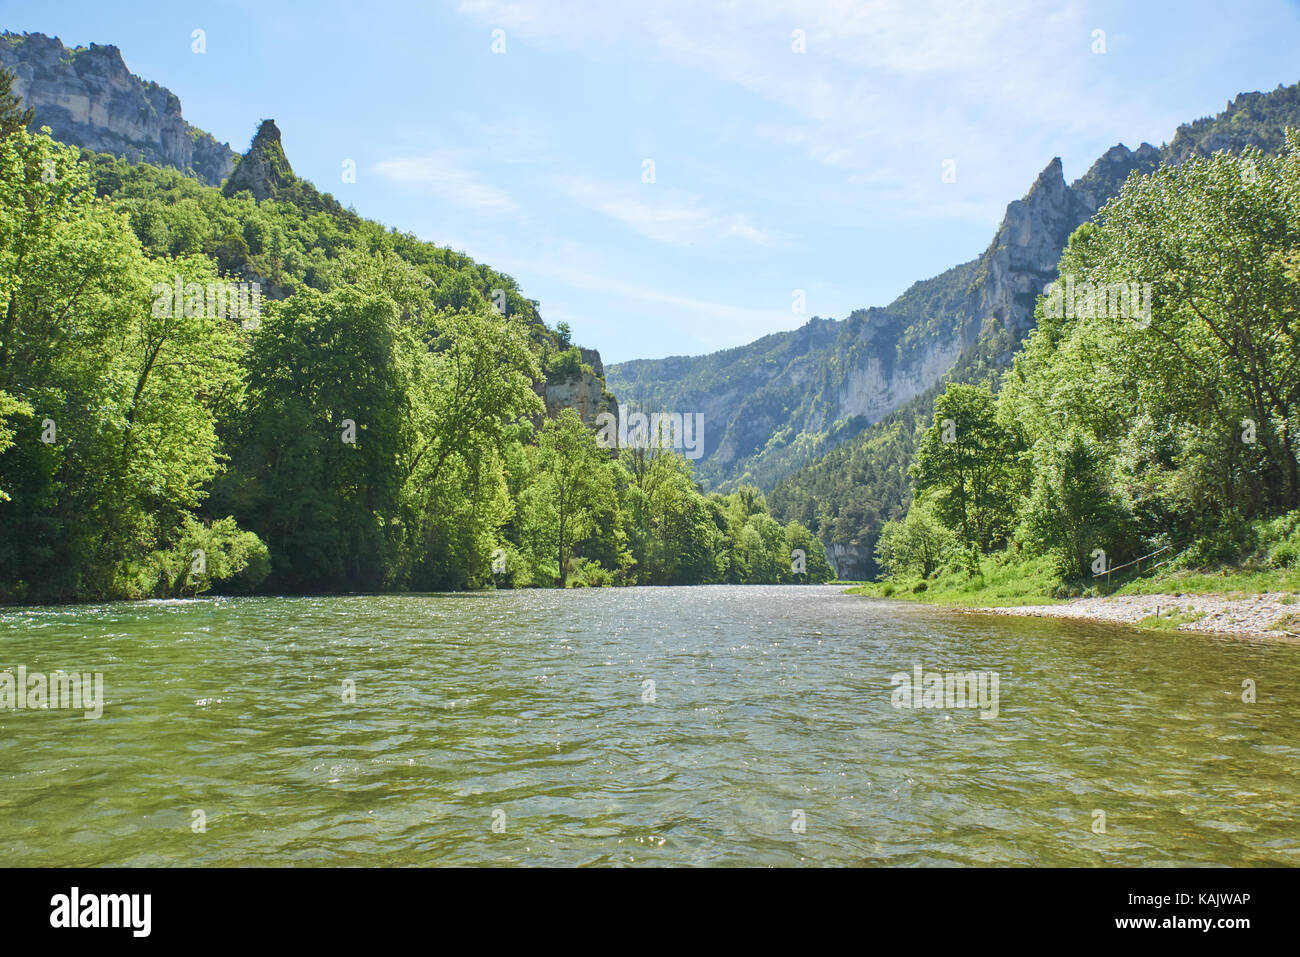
88 98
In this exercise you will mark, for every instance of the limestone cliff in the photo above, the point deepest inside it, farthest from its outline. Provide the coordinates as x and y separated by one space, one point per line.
88 98
776 404
584 391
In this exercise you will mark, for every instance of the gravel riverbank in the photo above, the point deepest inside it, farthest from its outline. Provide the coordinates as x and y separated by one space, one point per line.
1262 615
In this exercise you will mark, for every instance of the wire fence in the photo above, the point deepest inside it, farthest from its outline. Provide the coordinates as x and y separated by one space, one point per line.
1138 562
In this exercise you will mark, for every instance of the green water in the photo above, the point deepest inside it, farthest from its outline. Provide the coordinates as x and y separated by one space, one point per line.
527 709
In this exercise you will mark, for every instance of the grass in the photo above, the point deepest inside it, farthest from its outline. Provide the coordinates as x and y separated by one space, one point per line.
1004 579
1170 620
1229 582
1008 579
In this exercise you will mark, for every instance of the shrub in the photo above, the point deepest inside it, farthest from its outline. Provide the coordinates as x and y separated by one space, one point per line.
1223 547
1281 539
561 366
584 573
237 559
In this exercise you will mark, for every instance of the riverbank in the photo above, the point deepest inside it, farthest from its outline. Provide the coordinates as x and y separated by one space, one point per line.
1263 602
1273 614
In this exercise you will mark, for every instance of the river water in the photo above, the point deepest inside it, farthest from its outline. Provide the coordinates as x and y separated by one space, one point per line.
712 725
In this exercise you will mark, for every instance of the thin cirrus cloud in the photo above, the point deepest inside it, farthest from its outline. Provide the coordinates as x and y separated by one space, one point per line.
892 84
717 314
443 177
666 216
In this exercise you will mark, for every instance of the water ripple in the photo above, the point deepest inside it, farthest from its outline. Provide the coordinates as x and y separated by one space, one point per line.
522 728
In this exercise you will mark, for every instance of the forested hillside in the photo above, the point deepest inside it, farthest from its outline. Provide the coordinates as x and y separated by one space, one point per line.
1165 433
778 404
846 496
255 389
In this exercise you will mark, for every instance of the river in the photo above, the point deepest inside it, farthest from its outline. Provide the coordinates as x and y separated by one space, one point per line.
713 725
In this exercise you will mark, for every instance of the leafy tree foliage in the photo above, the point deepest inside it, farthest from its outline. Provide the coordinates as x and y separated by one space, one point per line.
378 425
121 441
573 484
968 461
1172 425
919 544
1071 510
12 116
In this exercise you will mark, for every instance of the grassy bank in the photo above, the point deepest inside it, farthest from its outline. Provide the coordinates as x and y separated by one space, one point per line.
1008 579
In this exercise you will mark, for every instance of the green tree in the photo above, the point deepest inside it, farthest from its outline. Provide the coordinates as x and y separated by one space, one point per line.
1187 406
760 555
1071 510
11 408
573 485
918 544
316 472
12 116
967 461
817 568
125 396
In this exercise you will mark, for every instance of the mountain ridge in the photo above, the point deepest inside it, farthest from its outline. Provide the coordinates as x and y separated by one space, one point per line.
89 99
877 358
846 494
885 364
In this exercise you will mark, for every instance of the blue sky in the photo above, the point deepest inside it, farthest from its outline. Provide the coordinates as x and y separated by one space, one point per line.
774 170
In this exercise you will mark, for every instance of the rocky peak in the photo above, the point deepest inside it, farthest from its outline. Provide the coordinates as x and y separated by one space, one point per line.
1103 181
267 137
1022 258
264 170
88 98
592 358
1033 224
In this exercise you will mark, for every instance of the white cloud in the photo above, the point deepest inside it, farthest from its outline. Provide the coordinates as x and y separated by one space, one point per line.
664 215
442 176
886 89
743 318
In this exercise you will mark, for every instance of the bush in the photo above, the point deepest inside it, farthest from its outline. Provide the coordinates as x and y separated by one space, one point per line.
1281 540
584 573
203 556
517 568
1226 546
565 365
919 543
